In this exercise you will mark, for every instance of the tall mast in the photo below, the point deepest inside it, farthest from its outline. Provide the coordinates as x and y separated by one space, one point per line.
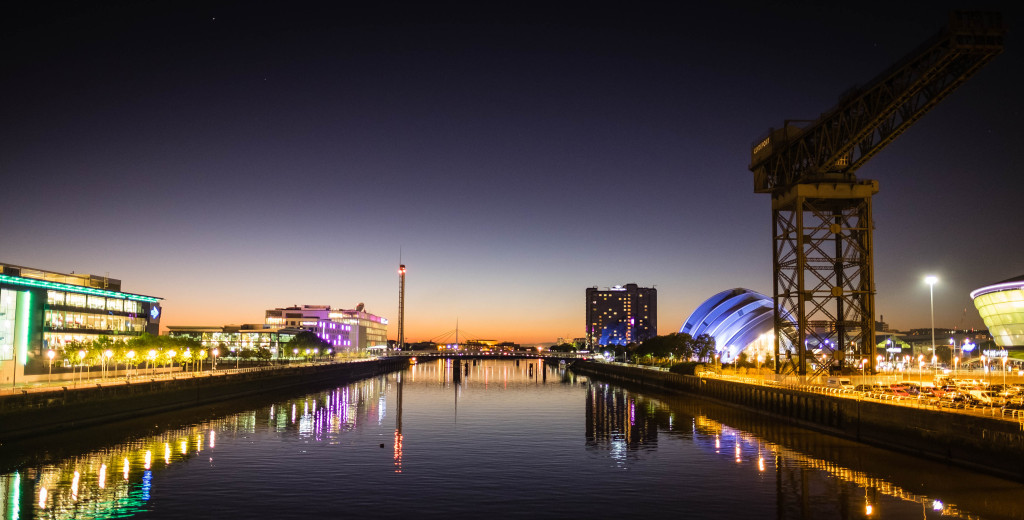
401 307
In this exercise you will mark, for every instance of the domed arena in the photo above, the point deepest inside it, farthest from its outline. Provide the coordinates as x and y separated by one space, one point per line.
739 319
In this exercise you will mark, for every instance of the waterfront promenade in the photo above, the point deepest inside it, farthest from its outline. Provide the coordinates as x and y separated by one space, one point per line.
92 378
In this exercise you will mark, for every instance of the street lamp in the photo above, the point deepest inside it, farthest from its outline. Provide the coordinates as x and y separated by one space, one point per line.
81 363
216 352
152 358
931 280
131 356
1004 371
50 353
107 354
952 353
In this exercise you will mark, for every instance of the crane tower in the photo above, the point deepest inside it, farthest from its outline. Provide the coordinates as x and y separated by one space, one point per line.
821 213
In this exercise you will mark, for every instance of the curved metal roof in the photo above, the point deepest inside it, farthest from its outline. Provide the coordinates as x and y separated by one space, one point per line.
735 318
1012 283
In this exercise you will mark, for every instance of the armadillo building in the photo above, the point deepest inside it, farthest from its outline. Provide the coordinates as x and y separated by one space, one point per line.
739 319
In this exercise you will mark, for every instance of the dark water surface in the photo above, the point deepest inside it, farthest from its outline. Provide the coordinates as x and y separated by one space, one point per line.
507 441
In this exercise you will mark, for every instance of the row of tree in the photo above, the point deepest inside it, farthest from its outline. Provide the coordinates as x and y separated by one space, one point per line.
678 345
137 350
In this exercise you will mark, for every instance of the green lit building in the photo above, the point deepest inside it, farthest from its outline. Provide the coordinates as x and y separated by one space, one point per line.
42 310
1001 306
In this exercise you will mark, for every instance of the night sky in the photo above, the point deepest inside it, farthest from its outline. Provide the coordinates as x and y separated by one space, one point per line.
232 157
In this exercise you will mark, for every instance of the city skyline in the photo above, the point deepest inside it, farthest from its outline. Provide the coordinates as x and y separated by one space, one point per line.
232 157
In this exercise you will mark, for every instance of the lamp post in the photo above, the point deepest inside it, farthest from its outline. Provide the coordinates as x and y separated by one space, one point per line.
931 280
81 363
216 352
50 353
1004 371
152 358
107 354
131 357
952 353
984 366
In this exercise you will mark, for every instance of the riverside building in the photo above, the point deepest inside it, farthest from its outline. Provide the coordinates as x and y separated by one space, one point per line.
621 315
42 310
1001 306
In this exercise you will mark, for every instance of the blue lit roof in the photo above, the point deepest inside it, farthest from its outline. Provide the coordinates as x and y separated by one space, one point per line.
735 318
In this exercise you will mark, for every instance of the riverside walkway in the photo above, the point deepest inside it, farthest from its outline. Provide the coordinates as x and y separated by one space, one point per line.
38 383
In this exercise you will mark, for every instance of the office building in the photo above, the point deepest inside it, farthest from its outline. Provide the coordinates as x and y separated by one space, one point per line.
42 310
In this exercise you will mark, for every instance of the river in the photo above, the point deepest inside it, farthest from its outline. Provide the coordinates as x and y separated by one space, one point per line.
506 439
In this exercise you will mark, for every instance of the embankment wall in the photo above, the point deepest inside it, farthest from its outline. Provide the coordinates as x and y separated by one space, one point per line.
34 413
991 444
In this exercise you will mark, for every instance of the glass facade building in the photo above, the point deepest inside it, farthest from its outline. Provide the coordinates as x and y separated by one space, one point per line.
42 310
236 338
1001 306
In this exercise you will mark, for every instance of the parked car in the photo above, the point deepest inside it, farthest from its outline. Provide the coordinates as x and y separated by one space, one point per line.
843 383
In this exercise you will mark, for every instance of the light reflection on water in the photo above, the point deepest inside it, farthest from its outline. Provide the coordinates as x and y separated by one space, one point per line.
502 439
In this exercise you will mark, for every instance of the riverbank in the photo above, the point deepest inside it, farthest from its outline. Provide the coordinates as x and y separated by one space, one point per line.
990 444
51 410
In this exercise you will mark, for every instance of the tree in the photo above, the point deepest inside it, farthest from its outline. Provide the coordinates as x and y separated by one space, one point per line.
564 347
306 340
676 345
704 347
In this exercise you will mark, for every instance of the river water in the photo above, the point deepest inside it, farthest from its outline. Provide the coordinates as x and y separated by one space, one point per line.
504 440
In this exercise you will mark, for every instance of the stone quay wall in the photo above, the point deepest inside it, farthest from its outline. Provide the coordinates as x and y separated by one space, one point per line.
991 444
41 412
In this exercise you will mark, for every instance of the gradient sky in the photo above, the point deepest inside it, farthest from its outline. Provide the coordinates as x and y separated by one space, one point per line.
236 156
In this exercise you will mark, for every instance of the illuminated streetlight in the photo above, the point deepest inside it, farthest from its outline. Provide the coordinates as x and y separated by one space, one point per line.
1004 371
216 352
931 281
50 353
81 363
152 358
131 357
107 354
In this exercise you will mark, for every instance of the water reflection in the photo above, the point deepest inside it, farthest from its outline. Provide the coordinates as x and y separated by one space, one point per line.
477 430
815 476
614 425
79 486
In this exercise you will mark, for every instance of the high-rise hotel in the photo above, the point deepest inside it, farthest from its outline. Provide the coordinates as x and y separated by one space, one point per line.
621 315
